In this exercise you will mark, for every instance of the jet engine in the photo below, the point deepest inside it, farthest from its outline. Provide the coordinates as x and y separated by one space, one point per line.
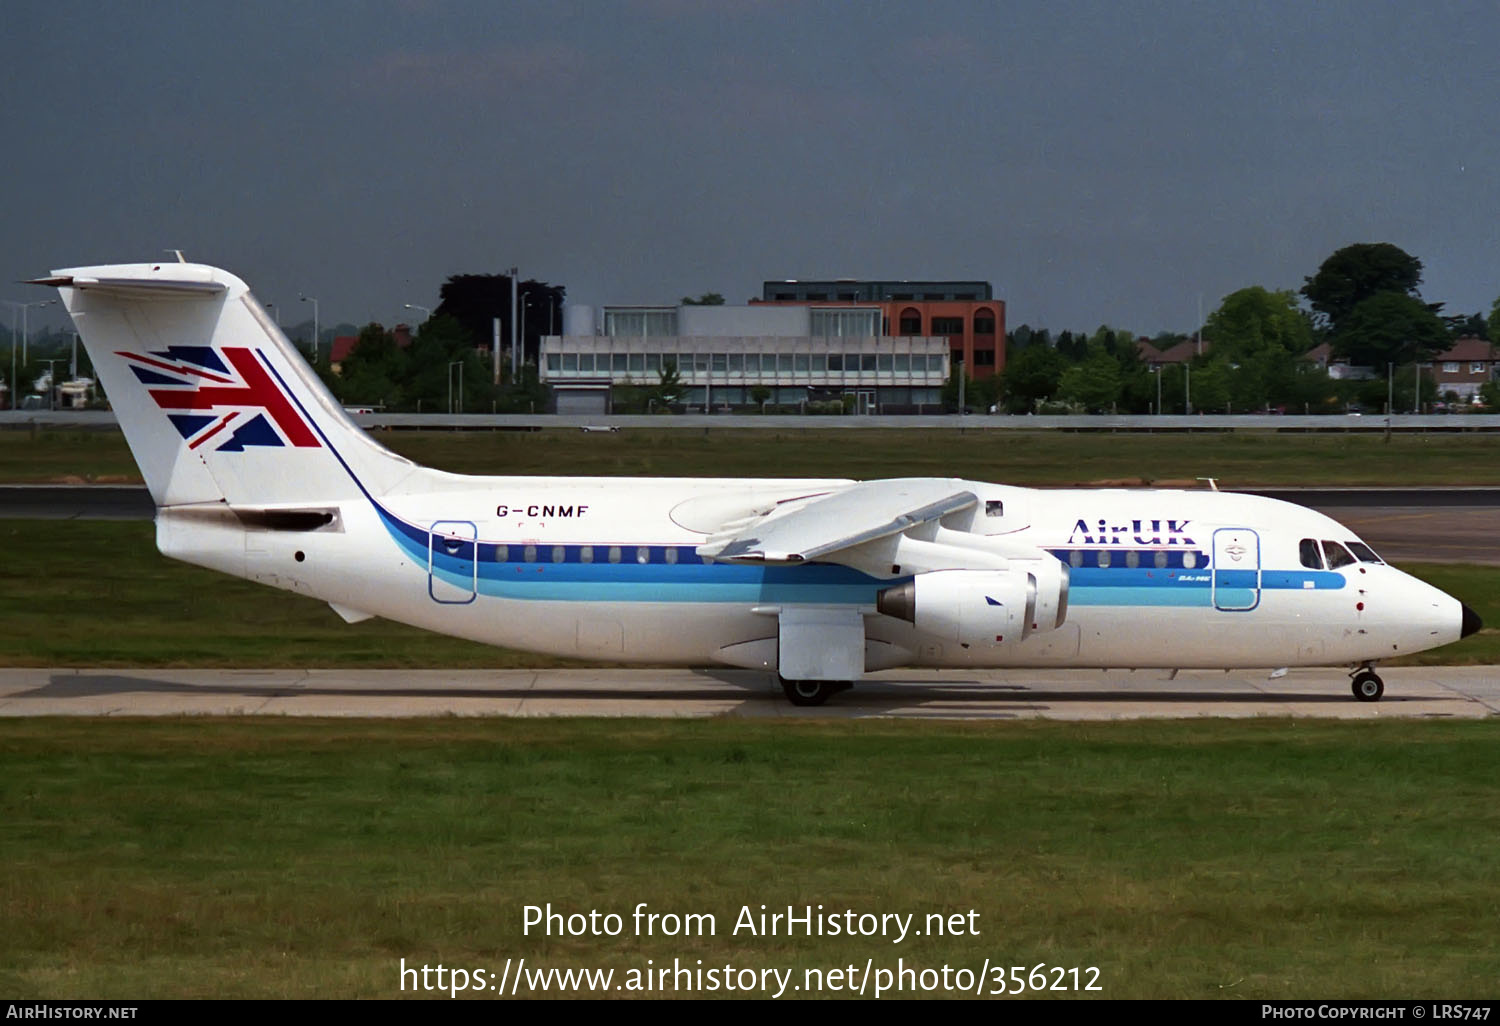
982 607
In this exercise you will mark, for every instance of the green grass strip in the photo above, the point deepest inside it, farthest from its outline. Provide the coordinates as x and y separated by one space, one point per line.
1237 459
272 858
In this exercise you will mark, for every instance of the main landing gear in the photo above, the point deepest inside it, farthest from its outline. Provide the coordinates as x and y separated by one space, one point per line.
1366 684
811 692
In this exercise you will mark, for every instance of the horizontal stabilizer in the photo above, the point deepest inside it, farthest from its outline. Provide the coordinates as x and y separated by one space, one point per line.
135 288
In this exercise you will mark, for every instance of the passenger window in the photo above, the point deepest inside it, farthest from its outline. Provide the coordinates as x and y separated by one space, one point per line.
586 554
559 553
1103 560
1189 560
1364 553
1075 558
1337 555
502 553
529 554
1312 556
1132 559
614 553
642 554
671 555
1160 559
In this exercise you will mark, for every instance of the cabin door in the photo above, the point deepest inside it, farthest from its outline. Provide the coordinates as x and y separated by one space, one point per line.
452 570
1236 569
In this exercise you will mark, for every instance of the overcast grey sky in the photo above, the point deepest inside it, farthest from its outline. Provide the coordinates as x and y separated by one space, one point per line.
1097 161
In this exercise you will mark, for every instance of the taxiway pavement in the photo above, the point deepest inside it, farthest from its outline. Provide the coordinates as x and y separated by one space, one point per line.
1468 692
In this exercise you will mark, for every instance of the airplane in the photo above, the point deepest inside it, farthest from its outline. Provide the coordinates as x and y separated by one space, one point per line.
257 471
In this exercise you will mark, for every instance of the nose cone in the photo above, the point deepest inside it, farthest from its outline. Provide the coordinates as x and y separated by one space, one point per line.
1471 623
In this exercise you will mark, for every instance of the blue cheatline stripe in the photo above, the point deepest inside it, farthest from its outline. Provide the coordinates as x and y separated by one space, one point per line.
1128 596
656 581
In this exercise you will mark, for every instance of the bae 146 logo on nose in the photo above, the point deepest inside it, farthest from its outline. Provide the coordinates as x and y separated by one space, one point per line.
226 394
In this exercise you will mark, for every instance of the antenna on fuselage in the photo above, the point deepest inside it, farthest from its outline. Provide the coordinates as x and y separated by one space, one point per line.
1213 482
180 258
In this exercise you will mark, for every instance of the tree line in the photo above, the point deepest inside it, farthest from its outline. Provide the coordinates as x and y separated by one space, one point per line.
1364 301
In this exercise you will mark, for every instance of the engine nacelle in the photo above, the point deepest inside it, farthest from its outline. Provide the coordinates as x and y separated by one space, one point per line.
982 607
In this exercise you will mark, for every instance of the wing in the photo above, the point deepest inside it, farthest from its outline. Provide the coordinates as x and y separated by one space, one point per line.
823 525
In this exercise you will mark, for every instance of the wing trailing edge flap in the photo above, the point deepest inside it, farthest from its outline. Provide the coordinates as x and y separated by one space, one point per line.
855 515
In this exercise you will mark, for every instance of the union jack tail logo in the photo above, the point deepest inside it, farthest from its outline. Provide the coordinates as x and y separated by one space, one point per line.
225 394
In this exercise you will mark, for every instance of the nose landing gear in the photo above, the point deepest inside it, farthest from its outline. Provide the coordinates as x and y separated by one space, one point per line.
1366 684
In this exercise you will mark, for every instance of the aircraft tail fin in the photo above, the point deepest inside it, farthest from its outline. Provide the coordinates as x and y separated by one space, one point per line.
215 402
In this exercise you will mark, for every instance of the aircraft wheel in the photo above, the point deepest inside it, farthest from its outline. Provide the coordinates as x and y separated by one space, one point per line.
1368 687
809 692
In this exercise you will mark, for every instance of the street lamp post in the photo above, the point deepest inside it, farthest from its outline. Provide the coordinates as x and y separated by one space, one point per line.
314 302
25 329
418 306
25 336
15 323
460 365
515 357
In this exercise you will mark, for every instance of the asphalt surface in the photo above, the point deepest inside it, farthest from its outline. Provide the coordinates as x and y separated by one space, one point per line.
1411 693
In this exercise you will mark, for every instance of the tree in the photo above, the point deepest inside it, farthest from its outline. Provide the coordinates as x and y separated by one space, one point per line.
433 379
475 300
707 299
1356 273
1389 327
1072 347
1254 319
1094 384
1489 393
1494 334
375 371
1472 326
1031 375
1208 385
668 387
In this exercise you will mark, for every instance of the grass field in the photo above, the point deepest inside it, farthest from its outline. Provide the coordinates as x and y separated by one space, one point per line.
273 858
195 858
97 593
1016 457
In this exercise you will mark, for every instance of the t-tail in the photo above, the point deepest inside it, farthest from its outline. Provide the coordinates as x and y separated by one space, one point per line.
216 404
234 433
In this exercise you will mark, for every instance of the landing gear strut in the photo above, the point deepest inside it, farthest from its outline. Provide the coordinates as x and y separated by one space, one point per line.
811 692
1367 685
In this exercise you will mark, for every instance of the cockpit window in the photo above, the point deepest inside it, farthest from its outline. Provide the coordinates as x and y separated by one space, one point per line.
1364 553
1312 556
1337 555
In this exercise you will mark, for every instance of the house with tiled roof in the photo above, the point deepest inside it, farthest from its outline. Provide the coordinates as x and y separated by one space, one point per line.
1464 366
1182 352
1338 367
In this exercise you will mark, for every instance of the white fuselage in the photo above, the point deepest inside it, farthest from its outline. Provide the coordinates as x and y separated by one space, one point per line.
603 568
